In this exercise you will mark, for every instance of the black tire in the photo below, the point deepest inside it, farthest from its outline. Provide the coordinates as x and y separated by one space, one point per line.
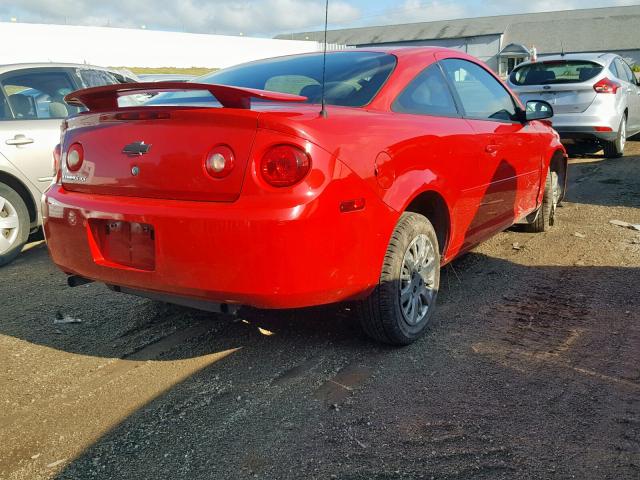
11 201
381 314
544 217
615 149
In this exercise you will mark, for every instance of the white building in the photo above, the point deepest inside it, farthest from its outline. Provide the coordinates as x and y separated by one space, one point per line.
25 42
505 40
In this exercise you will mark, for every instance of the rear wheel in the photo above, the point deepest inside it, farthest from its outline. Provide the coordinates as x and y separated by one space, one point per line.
14 224
544 217
403 302
615 149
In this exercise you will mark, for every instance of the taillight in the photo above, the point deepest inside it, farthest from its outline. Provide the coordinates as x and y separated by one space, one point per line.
284 165
606 86
56 159
75 157
220 161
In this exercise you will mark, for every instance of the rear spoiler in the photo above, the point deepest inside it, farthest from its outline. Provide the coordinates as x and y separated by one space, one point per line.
105 98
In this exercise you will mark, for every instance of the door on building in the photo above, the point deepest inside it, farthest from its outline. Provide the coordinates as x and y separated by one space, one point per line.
511 56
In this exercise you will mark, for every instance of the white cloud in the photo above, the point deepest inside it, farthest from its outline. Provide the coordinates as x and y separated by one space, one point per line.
508 7
251 17
269 17
421 11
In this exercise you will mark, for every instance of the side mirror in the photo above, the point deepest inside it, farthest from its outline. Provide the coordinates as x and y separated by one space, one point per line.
538 110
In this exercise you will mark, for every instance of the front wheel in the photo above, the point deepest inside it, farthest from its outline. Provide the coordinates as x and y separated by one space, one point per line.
14 224
403 302
615 149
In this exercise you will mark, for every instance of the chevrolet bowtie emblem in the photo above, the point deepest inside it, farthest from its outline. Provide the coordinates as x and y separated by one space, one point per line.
136 149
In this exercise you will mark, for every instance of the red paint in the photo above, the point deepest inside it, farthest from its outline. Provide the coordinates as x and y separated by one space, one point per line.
106 97
122 244
314 240
57 155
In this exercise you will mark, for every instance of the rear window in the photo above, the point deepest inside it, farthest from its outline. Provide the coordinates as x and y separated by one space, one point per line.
352 78
562 71
96 78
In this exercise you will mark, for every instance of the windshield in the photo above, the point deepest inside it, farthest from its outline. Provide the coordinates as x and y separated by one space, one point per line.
353 78
560 71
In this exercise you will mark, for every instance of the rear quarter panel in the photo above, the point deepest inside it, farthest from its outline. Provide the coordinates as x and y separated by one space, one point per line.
398 156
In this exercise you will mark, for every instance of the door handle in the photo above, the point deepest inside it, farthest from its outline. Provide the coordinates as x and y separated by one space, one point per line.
19 139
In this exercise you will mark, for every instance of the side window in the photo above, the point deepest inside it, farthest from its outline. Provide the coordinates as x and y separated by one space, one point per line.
123 78
5 111
481 95
625 72
37 95
630 73
96 78
613 69
427 94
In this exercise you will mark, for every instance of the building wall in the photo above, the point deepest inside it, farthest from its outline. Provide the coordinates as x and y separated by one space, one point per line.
136 48
484 47
487 47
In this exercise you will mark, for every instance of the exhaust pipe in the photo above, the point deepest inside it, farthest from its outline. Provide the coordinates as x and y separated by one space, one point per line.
77 280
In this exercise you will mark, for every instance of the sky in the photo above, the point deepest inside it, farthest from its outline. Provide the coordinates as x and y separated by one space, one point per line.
266 18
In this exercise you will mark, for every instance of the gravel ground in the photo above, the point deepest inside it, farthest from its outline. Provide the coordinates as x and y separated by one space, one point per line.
530 369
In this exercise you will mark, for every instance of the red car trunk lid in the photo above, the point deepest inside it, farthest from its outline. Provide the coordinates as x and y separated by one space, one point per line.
178 141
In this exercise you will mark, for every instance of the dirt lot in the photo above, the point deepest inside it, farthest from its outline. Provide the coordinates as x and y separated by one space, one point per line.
531 369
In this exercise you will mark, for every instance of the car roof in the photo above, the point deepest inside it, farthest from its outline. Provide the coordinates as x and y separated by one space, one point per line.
601 58
22 66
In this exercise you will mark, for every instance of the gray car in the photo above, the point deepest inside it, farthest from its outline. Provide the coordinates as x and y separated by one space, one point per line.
595 97
31 109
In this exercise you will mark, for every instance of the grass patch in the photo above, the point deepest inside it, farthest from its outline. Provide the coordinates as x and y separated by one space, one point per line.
184 71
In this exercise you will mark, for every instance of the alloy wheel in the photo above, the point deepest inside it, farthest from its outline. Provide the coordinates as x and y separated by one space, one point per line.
623 133
417 279
9 225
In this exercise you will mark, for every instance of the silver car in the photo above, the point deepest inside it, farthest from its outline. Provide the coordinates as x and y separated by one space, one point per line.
595 97
31 109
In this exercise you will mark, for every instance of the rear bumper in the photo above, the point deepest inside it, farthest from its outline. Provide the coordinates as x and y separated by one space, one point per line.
250 252
599 122
584 133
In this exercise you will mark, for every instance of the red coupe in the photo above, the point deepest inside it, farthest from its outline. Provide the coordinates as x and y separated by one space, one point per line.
245 189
